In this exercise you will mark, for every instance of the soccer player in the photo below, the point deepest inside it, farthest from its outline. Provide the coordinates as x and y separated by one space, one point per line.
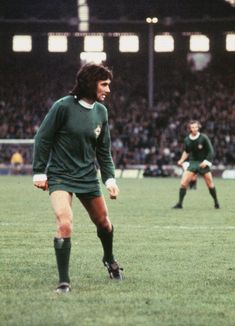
199 151
75 132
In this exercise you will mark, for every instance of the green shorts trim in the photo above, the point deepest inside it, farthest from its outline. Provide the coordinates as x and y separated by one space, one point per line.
195 168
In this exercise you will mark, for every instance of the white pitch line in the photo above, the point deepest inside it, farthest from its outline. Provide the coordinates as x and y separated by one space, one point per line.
182 227
167 227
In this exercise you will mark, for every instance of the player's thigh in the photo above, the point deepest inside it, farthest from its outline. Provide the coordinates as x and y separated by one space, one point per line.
61 202
97 210
186 178
208 179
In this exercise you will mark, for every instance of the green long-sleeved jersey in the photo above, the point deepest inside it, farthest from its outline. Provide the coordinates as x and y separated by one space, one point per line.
67 143
199 149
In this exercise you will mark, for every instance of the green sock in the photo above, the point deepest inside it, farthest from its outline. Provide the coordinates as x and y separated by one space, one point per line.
106 239
182 193
62 251
213 194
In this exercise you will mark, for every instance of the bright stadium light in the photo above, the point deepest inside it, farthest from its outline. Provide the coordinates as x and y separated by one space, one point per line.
152 20
128 43
83 15
22 43
93 43
199 43
57 43
83 26
95 57
232 2
230 42
164 43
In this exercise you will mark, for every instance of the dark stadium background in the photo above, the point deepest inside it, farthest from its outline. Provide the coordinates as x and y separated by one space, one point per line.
121 9
149 105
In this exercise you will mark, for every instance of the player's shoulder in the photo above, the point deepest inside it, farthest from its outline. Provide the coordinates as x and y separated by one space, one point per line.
187 139
101 110
204 136
101 107
63 102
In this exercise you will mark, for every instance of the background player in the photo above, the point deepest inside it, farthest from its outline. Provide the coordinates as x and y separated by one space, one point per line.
199 151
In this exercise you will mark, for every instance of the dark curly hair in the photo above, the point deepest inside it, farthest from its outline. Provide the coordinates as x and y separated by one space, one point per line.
87 78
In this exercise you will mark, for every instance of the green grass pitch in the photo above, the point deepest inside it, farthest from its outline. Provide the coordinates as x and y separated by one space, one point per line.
179 264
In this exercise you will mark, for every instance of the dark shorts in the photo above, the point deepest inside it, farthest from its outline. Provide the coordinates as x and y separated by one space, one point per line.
84 190
85 195
89 195
195 168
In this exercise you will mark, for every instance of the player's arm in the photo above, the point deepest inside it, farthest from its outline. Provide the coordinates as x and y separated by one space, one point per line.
42 147
183 158
210 153
104 158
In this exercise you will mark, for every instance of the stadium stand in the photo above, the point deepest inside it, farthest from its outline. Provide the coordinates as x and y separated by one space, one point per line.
139 135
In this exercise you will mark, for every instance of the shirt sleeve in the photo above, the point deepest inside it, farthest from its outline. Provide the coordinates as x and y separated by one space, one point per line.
210 150
103 153
44 139
186 145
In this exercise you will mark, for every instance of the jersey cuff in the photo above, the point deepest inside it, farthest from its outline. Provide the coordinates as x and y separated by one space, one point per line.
207 163
39 177
110 182
185 165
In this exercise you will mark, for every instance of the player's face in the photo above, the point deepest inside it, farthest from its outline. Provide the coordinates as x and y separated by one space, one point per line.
103 89
194 128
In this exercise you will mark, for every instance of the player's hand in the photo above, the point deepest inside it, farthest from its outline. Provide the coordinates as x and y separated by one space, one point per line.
41 185
180 163
203 165
113 191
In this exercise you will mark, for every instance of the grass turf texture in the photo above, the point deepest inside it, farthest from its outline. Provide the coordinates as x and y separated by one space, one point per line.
179 264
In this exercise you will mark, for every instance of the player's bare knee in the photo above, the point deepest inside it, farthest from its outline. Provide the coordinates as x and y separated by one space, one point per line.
104 224
107 225
210 185
65 230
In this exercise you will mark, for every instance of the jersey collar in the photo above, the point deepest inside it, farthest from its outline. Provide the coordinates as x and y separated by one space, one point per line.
86 105
194 137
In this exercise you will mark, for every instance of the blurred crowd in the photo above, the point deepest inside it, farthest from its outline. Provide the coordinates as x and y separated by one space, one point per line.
140 135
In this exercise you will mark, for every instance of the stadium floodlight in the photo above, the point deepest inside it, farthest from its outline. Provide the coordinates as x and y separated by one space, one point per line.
83 15
95 57
93 43
199 43
152 20
83 26
164 43
128 43
57 43
230 42
22 43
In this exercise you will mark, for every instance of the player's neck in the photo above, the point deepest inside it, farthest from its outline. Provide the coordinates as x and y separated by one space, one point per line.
86 104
